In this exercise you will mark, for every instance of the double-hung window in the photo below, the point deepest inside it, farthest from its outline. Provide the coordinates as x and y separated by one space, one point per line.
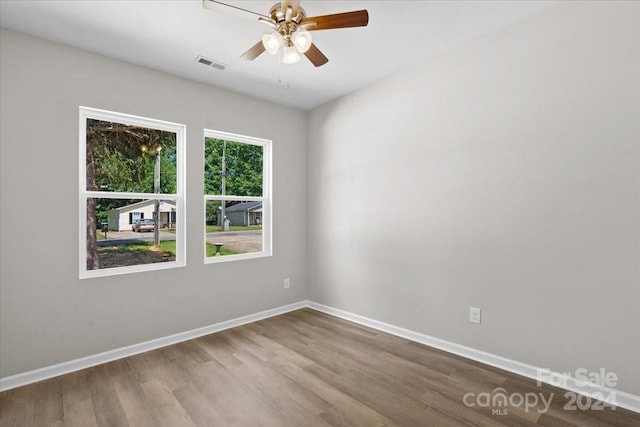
237 201
132 209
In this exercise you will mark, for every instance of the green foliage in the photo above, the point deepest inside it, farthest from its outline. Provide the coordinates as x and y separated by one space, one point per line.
121 162
243 168
243 171
124 159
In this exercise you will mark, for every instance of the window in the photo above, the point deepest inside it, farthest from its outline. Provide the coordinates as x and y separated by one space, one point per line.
134 216
237 201
132 206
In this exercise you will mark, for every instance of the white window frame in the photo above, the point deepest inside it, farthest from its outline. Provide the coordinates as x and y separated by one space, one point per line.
178 198
266 197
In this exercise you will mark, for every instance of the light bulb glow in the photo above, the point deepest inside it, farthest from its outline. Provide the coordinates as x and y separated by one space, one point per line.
301 40
272 42
290 55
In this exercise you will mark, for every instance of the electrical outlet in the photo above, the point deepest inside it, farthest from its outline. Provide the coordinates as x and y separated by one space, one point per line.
287 283
474 315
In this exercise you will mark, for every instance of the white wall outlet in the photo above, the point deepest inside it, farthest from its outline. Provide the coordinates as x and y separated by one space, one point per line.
474 315
287 283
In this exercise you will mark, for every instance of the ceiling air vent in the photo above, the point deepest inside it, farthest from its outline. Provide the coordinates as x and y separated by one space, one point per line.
211 63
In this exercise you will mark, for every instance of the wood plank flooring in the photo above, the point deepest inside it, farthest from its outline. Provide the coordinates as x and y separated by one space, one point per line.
302 368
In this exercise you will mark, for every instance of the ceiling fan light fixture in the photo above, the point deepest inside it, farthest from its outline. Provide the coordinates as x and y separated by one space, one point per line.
272 42
290 55
301 39
290 23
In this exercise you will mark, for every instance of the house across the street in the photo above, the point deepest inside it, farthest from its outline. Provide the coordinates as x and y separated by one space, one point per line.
121 219
245 213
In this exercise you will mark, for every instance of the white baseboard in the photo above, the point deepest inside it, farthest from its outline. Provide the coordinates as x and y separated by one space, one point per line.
622 399
47 372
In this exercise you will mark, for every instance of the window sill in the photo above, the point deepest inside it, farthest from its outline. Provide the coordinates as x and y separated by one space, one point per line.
87 274
239 257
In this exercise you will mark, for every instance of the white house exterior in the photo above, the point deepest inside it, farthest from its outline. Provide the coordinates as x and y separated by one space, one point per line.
121 219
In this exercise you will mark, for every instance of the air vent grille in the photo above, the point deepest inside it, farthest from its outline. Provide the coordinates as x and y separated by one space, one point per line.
211 63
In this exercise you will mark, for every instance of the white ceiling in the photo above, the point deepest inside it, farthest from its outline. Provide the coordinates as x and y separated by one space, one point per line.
169 35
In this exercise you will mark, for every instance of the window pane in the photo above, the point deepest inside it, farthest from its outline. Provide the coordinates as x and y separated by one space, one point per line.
232 168
233 227
121 232
126 158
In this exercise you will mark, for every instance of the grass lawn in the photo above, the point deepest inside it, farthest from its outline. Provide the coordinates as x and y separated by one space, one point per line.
216 228
169 246
136 254
145 253
99 235
211 250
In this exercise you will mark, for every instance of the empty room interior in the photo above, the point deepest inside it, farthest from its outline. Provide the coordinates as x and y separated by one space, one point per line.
319 213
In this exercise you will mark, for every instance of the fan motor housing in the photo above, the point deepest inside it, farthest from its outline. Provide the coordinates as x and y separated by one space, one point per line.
279 16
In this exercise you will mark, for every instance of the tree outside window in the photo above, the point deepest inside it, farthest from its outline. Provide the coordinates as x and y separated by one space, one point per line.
129 162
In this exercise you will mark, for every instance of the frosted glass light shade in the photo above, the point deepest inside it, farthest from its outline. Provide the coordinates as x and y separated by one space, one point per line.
272 42
301 40
290 55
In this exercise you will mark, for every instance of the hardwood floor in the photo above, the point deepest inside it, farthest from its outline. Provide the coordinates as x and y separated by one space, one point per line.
302 368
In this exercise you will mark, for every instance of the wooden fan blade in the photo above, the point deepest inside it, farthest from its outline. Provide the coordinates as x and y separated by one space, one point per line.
316 57
357 18
253 52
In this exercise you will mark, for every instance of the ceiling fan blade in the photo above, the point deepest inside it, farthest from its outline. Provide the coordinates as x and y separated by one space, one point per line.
214 5
316 57
357 18
253 52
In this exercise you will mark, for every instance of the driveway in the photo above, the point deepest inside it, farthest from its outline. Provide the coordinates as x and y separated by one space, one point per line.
239 241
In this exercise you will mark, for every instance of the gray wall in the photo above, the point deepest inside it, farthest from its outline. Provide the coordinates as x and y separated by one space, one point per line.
504 174
47 314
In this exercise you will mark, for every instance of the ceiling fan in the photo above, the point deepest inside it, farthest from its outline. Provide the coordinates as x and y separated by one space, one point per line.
291 30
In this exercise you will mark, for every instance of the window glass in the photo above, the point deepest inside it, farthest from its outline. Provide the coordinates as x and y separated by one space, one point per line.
131 193
237 166
242 233
237 197
124 157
